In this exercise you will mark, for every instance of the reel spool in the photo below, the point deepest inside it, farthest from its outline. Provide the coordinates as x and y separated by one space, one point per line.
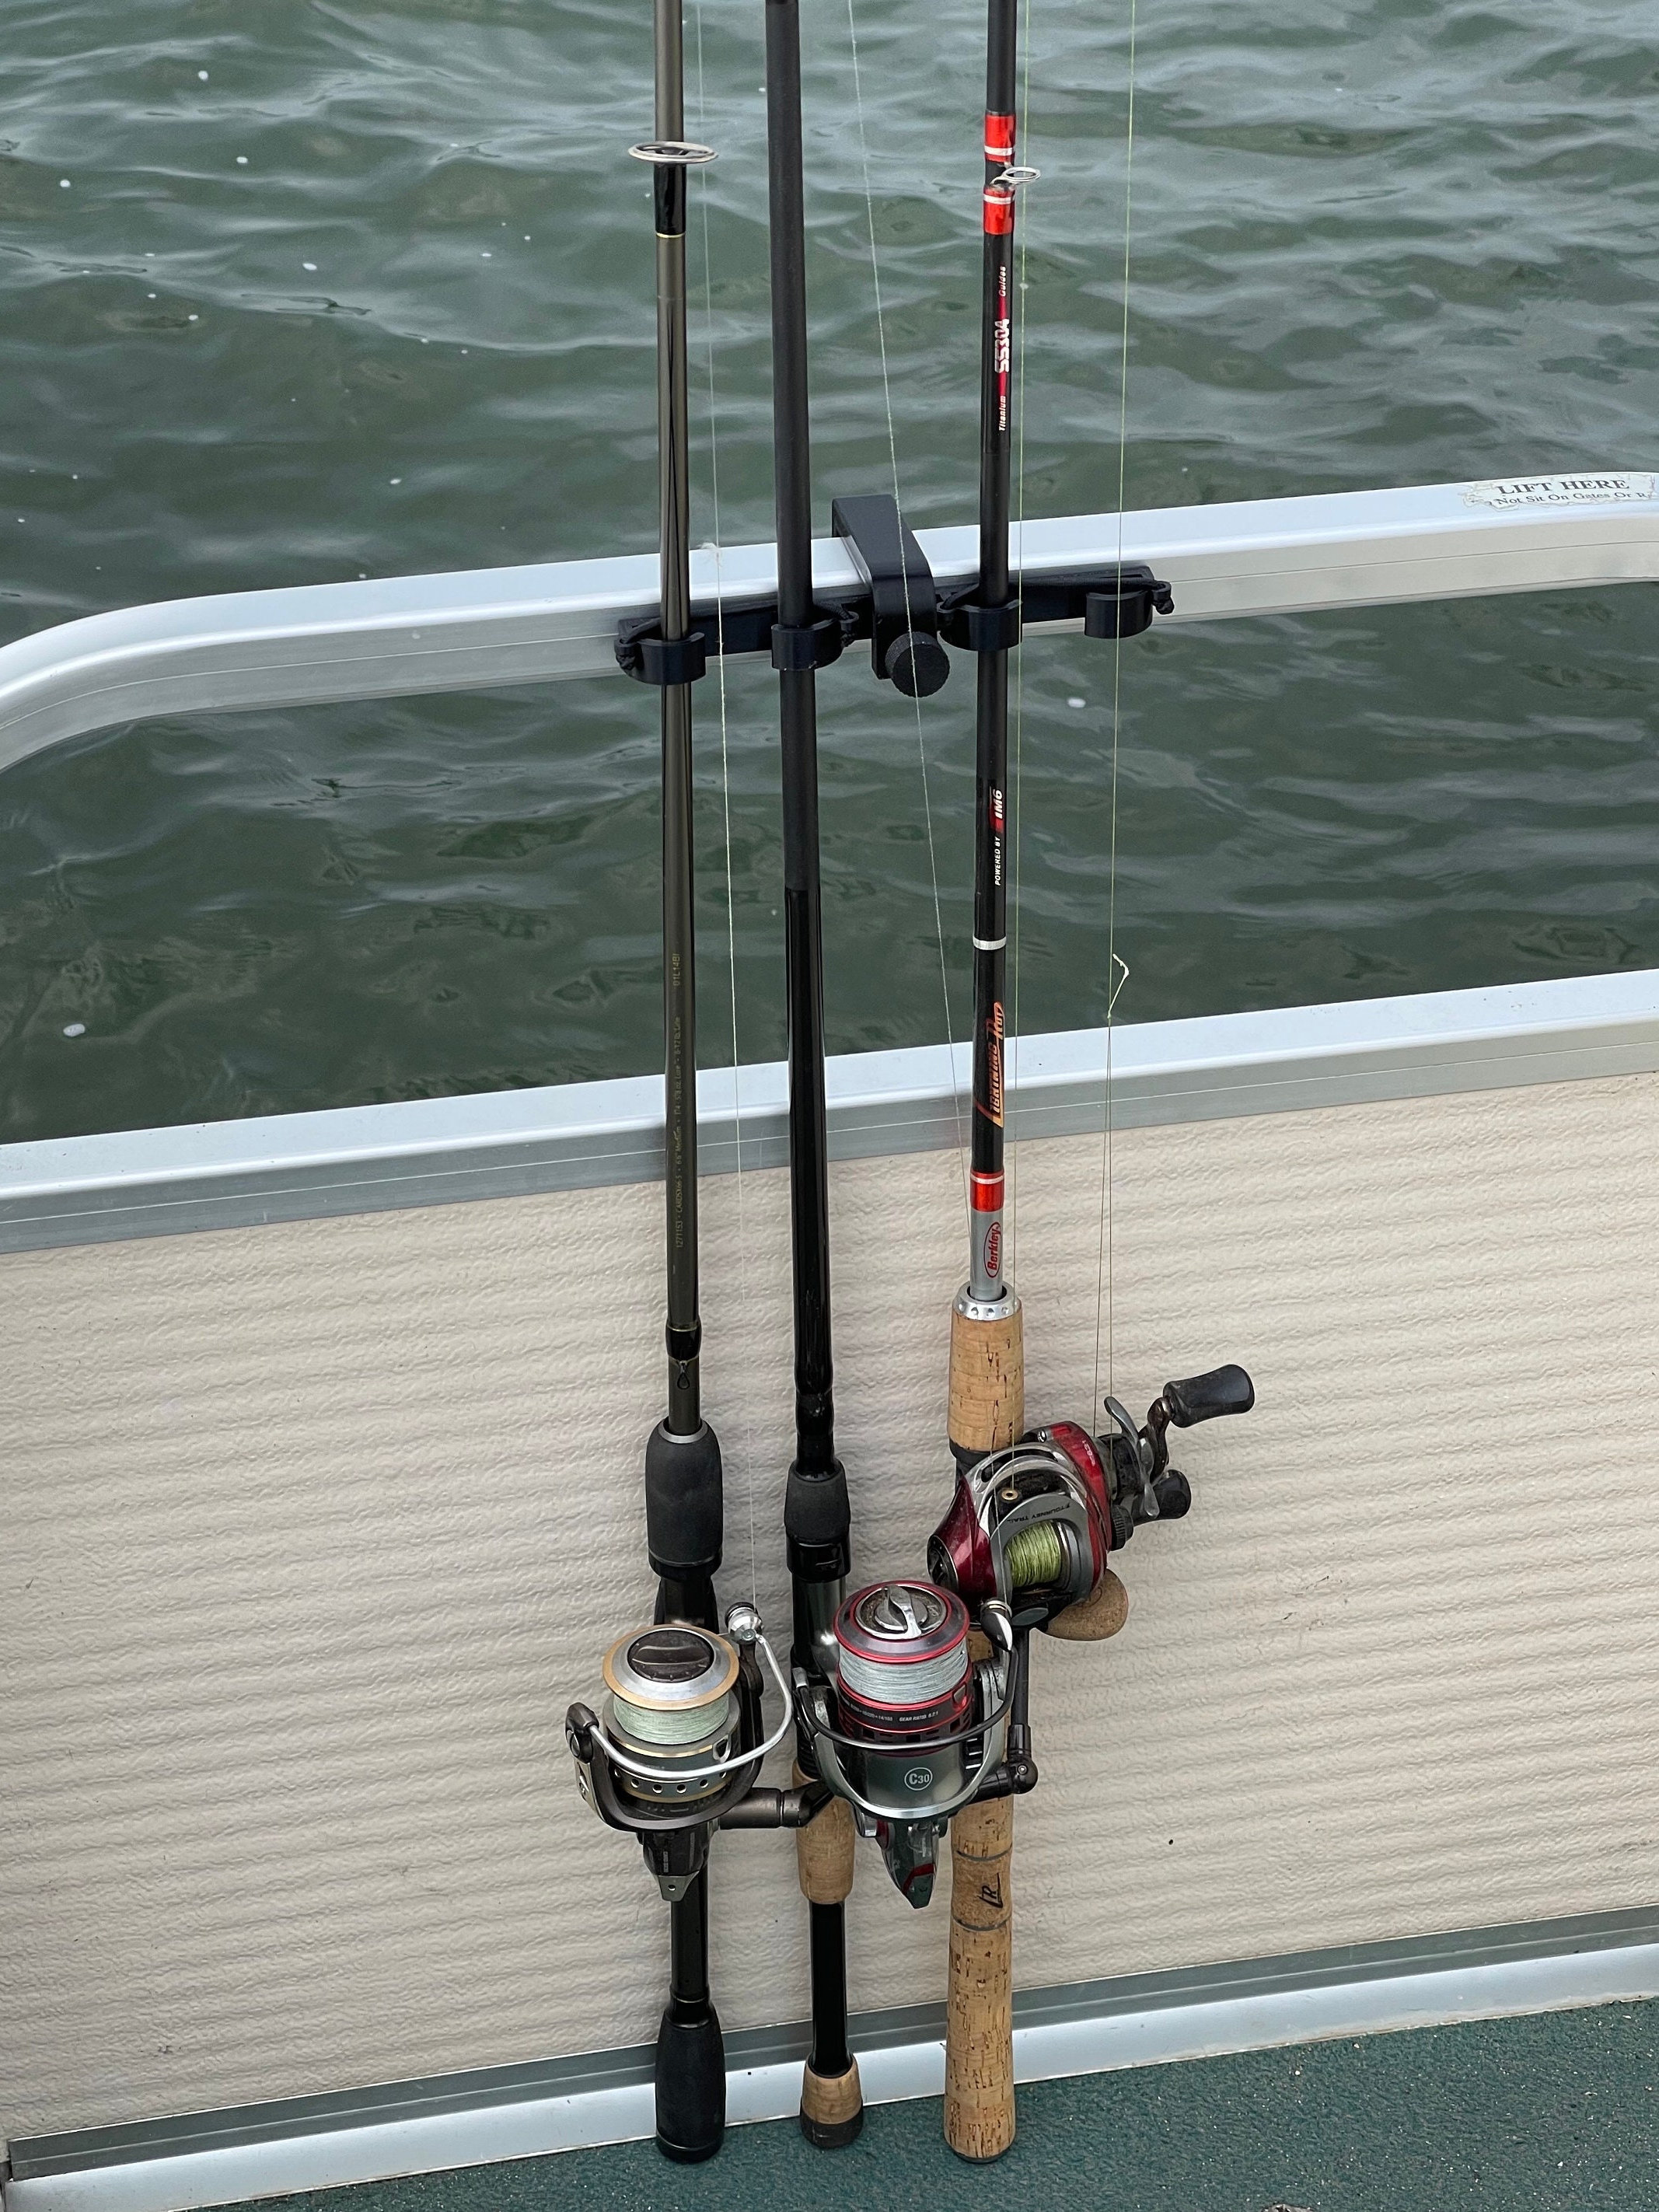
679 1749
672 1702
916 1723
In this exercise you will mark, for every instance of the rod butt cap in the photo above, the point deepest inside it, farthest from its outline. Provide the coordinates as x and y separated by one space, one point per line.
831 2107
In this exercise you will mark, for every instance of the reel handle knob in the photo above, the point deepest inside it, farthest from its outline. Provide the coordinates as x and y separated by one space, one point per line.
1207 1397
1174 1494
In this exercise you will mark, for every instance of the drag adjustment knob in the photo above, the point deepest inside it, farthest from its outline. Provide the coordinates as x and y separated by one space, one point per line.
917 664
1205 1397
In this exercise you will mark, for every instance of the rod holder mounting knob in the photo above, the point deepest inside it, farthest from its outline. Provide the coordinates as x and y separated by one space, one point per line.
916 664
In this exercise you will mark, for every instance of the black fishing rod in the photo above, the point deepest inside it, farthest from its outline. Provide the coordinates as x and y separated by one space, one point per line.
816 1515
676 1754
682 1474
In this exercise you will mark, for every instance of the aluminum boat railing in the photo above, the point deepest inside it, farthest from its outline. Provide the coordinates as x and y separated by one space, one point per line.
483 628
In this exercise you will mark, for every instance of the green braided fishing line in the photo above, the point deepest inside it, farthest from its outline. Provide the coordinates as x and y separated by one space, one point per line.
1035 1556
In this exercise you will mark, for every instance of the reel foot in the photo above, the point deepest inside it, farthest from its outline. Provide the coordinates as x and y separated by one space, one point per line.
831 2107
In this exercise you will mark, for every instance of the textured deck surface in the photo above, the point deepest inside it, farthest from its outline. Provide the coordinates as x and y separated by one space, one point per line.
1554 2114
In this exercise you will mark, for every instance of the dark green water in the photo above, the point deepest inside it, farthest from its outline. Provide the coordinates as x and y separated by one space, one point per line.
1372 245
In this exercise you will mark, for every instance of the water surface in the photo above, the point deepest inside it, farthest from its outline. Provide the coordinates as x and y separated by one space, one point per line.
300 292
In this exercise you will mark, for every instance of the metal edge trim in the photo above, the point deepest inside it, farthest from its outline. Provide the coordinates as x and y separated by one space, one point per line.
526 2110
363 1159
401 636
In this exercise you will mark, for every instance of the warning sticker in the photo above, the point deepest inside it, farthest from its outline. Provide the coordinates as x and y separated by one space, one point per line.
1593 487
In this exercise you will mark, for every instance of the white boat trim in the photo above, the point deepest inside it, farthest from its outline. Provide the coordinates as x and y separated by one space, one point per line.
605 2097
357 1159
396 637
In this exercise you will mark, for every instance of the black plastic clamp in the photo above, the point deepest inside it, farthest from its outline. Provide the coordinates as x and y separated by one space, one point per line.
797 647
643 652
1110 602
964 621
1124 604
905 646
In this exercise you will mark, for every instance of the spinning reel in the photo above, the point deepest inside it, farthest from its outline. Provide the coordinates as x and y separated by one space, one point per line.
1030 1527
912 1728
909 1728
679 1746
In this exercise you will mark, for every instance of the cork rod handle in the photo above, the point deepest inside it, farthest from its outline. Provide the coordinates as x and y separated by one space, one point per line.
987 1411
832 2101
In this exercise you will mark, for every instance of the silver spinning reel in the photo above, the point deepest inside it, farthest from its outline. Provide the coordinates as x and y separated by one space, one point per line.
912 1727
676 1746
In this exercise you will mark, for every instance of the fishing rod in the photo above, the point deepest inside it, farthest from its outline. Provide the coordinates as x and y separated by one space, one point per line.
1035 1515
909 1698
676 1753
987 1402
817 1515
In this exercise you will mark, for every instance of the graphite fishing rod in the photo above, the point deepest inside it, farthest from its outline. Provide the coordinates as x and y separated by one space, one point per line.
909 1698
987 1403
682 1470
818 1521
677 1752
1035 1515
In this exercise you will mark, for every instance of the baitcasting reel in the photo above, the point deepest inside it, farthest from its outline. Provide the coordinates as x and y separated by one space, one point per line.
679 1744
912 1727
1031 1526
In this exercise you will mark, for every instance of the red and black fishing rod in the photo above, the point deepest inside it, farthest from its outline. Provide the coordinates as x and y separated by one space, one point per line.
997 619
986 1355
987 1362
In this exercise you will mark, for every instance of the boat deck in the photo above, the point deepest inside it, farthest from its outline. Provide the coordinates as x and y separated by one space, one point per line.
1554 2113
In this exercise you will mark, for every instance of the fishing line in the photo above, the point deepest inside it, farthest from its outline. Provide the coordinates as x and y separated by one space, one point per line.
892 457
1012 1201
749 1460
1103 1280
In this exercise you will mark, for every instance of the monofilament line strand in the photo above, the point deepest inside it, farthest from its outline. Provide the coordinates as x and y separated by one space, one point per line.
1104 1313
749 1458
892 457
1011 1201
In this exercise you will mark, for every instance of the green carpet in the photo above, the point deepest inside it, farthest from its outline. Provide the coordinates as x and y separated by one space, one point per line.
1558 2113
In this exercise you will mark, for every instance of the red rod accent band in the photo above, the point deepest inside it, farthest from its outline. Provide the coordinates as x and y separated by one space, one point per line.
999 213
988 1192
999 137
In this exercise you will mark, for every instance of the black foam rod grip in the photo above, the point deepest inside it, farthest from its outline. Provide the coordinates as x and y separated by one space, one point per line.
683 1503
1203 1397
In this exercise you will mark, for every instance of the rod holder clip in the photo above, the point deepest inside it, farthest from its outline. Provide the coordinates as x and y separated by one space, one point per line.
799 647
905 646
1124 603
964 621
1118 599
644 653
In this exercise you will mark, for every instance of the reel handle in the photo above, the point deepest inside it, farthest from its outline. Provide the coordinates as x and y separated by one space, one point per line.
1207 1397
